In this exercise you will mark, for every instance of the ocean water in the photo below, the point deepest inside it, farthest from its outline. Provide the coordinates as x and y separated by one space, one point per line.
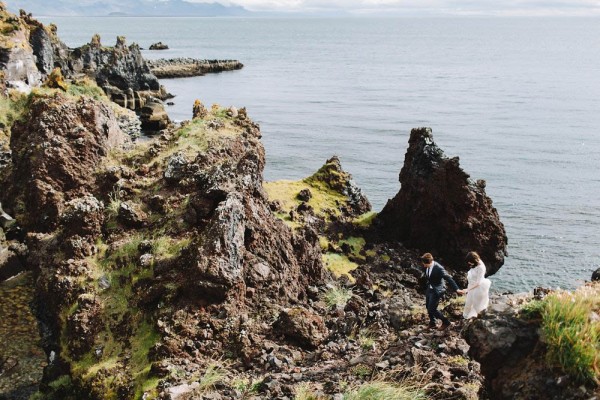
517 99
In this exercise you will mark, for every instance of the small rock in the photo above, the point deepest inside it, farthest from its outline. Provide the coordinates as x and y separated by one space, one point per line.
145 246
275 362
176 167
158 46
232 112
131 214
5 219
297 377
304 195
146 260
104 283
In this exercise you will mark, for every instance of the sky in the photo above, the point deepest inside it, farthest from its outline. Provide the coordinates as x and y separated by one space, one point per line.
435 7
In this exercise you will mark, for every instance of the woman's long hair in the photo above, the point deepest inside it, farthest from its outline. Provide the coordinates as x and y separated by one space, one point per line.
472 259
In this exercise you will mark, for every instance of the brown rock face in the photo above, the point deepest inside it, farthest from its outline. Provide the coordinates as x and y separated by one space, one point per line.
241 245
441 210
55 151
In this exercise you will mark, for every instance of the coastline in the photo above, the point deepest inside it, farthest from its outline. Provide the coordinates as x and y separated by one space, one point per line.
158 263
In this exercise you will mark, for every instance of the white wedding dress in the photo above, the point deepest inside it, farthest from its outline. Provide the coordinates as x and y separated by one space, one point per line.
478 291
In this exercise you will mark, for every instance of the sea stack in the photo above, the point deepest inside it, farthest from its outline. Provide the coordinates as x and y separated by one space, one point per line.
441 210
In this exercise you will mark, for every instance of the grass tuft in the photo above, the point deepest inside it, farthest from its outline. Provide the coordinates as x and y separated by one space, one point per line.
305 392
337 297
572 333
366 339
212 376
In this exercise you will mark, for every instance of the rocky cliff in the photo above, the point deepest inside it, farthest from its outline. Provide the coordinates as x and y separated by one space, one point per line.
29 52
439 209
124 246
158 263
120 71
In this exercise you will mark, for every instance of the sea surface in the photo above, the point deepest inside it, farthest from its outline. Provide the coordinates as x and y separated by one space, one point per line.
517 99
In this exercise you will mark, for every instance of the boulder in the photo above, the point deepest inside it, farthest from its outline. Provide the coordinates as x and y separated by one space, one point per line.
18 61
301 326
499 340
198 110
43 48
83 325
513 355
596 275
153 116
304 195
83 216
439 208
176 168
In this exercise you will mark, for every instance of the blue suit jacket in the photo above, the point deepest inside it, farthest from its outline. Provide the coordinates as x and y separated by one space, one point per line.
437 277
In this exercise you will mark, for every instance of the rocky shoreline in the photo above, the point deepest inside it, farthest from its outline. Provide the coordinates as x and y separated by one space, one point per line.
169 269
188 67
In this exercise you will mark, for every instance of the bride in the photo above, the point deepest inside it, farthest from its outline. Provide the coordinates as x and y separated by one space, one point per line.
478 287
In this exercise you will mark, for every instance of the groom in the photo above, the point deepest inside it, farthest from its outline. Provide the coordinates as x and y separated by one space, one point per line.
434 273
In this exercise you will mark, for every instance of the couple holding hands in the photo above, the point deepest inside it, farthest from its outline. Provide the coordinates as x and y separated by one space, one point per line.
477 290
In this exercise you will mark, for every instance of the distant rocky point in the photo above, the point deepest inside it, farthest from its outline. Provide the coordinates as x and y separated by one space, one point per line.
187 67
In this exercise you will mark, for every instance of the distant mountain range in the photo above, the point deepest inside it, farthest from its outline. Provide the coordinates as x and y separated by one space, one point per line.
126 8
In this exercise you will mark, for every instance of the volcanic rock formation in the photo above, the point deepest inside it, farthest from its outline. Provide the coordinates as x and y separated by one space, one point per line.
29 52
439 209
54 150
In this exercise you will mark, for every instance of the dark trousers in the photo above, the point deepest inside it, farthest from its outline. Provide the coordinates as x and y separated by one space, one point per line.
432 300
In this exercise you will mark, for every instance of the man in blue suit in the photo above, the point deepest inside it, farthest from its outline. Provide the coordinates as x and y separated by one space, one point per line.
435 274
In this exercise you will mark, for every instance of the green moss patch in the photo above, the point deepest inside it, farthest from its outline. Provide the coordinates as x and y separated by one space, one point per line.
365 220
356 245
339 264
324 201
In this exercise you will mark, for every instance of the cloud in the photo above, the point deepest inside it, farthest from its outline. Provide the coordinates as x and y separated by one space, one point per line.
453 7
